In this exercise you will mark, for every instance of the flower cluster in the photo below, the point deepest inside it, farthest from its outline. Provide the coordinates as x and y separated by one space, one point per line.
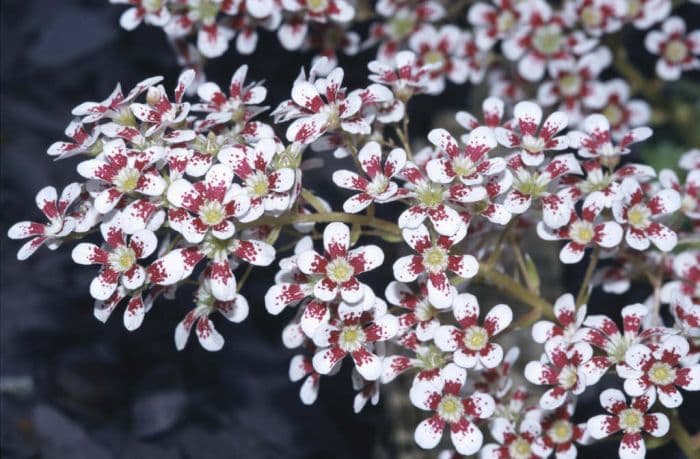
191 194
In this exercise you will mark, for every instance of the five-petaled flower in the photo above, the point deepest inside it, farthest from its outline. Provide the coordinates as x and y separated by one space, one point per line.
514 441
569 317
266 188
631 210
239 105
118 258
559 434
120 171
354 333
443 397
686 267
565 370
435 258
338 267
116 106
529 185
492 109
677 49
631 419
151 12
161 113
471 343
436 202
469 164
533 141
377 187
206 205
403 75
314 117
660 367
235 310
59 225
575 83
584 231
421 315
602 332
597 141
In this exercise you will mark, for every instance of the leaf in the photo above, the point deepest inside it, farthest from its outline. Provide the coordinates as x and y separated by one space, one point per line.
533 277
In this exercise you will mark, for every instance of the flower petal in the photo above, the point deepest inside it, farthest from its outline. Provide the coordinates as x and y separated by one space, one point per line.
367 364
326 359
466 437
429 432
497 319
602 425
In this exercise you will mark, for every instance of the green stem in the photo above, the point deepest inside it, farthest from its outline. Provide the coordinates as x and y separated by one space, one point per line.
496 254
487 273
523 267
327 217
244 278
402 133
681 436
538 305
313 200
583 290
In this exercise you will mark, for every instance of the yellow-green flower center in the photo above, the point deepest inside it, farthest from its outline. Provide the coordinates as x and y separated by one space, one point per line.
618 347
317 6
568 377
125 117
258 184
208 9
533 144
582 232
591 16
431 358
122 259
548 39
638 216
614 114
207 145
152 5
506 20
463 166
378 185
434 57
475 338
631 420
430 195
424 311
676 51
435 259
212 213
127 179
661 373
519 449
339 270
402 26
450 408
570 85
289 157
333 116
531 185
633 8
561 431
351 338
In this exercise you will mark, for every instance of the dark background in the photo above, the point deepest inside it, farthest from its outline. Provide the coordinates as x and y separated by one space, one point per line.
89 390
